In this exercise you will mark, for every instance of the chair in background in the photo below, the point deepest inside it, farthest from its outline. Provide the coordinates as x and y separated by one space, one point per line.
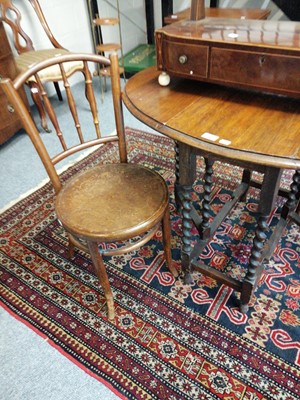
28 55
108 203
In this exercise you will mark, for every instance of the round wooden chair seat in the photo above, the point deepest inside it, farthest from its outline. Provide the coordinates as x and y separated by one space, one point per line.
112 202
109 209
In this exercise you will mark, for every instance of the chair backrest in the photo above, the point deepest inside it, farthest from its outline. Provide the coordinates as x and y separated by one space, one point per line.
72 135
11 15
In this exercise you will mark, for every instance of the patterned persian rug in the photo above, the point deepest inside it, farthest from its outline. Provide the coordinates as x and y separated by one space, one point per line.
169 340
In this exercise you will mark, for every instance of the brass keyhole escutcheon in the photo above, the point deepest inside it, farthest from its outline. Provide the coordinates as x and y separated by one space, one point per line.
262 60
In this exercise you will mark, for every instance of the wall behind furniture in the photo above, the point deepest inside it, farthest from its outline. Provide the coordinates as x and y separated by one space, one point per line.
68 20
133 22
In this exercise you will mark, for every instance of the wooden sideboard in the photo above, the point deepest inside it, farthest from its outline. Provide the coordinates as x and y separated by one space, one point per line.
251 54
9 122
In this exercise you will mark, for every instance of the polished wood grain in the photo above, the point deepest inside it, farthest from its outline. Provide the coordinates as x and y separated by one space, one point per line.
114 207
197 10
240 13
258 132
260 128
281 35
253 54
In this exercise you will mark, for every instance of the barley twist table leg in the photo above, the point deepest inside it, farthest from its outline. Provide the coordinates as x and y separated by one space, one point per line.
187 225
254 262
268 195
186 175
206 198
177 185
293 195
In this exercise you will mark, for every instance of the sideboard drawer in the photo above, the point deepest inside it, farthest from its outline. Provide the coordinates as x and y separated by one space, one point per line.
265 70
9 122
186 59
7 68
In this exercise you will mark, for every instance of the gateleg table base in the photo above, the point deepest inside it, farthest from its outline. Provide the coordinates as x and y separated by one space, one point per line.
261 249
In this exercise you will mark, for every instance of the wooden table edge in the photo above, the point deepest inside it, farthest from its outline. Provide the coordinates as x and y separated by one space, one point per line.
216 150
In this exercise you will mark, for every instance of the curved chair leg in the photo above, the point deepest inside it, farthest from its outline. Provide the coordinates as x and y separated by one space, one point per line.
103 278
35 94
166 228
71 248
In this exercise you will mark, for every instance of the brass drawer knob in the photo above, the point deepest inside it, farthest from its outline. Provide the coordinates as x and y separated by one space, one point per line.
182 59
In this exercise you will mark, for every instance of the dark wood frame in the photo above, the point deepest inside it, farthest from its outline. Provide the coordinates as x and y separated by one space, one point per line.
178 120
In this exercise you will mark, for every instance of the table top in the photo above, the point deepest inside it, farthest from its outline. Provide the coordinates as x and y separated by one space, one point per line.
246 32
259 128
241 13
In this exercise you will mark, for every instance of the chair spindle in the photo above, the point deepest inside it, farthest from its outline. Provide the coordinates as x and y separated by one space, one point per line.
50 111
71 103
91 97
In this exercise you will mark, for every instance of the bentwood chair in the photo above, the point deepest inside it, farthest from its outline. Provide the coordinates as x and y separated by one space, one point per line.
27 55
108 203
